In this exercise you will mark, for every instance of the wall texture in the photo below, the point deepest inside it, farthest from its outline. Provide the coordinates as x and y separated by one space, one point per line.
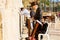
10 18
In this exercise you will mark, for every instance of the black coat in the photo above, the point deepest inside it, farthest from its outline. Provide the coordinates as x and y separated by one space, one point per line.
38 14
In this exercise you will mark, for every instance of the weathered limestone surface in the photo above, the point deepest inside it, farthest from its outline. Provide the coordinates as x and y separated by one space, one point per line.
10 19
0 26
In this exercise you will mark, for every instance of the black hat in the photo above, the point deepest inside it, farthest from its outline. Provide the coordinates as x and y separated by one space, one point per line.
33 3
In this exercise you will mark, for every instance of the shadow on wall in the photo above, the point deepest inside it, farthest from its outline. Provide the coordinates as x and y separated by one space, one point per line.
0 26
0 20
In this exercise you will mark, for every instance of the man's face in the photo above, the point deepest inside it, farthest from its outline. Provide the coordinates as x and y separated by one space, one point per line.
35 7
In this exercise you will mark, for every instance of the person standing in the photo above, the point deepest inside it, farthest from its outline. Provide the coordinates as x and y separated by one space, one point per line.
34 7
37 15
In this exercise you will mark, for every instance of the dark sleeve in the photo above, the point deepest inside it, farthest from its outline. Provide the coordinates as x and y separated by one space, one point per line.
38 14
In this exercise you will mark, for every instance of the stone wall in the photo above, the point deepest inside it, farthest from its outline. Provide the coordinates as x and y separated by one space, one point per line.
10 19
0 26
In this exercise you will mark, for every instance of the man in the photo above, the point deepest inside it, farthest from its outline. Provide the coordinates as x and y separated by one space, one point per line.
37 15
34 7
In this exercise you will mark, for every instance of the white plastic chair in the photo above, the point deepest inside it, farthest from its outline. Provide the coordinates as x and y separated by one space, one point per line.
46 34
